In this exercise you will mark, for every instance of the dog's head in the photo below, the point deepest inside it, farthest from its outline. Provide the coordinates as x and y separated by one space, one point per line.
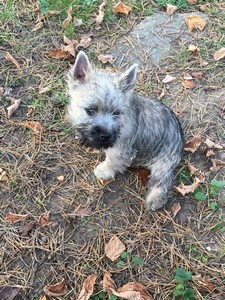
98 101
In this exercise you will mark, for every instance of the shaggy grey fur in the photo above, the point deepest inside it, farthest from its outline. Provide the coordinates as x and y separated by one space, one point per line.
133 130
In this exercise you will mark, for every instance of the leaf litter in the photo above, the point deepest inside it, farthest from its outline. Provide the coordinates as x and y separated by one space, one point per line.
56 290
87 288
121 8
114 248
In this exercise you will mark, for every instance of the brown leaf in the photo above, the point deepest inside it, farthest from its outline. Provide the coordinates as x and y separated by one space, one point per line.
168 79
25 229
66 40
70 49
191 168
209 152
3 175
204 282
187 76
176 208
186 189
33 125
188 84
121 8
195 22
210 144
193 48
80 211
60 178
43 90
193 144
105 58
143 174
217 165
1 90
8 292
44 220
219 54
12 108
78 22
114 248
170 9
58 53
133 291
101 13
38 26
87 288
108 284
67 21
84 42
197 75
192 1
105 181
11 59
43 297
13 218
53 13
56 290
30 111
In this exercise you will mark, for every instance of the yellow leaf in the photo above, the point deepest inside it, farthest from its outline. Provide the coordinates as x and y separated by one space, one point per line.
121 8
195 22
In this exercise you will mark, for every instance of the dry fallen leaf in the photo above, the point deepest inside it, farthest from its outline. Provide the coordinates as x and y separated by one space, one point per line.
3 175
1 90
219 54
188 84
170 9
187 76
217 165
114 248
11 59
108 284
25 229
8 292
133 291
80 211
204 282
195 22
12 108
212 145
101 13
168 79
193 144
43 90
193 48
192 1
87 288
38 26
143 174
176 208
78 22
58 53
121 8
30 110
33 125
209 152
60 178
13 218
197 75
105 181
105 58
53 13
67 21
56 290
44 219
84 42
191 168
186 189
43 297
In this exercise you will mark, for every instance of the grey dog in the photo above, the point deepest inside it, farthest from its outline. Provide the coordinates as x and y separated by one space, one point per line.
133 130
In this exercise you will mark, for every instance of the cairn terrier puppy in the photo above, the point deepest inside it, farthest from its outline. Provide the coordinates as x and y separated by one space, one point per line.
133 130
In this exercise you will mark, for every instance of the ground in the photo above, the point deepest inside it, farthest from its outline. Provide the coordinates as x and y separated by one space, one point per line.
48 171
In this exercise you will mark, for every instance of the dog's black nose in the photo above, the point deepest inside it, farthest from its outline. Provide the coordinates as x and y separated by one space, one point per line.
102 133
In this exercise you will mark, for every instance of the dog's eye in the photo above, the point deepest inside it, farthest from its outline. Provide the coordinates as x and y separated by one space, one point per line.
116 113
91 111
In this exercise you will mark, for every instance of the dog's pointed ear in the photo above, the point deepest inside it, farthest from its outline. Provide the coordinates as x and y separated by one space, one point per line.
127 79
81 67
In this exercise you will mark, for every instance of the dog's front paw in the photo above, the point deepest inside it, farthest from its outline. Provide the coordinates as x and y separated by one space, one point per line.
155 199
102 171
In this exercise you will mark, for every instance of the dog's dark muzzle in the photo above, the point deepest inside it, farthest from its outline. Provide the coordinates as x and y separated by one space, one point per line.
103 138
